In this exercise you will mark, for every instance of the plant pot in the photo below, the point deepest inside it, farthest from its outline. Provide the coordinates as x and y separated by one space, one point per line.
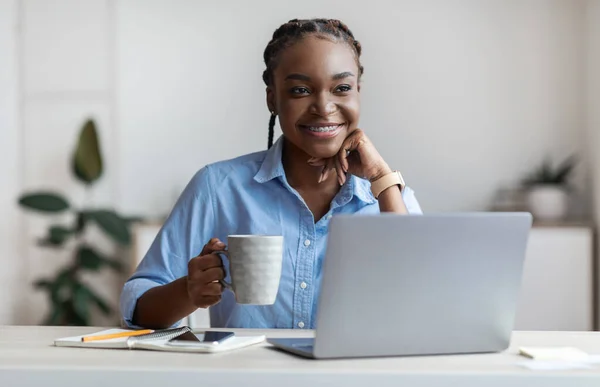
548 202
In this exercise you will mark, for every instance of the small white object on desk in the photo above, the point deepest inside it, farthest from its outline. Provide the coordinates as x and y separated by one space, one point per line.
554 353
557 358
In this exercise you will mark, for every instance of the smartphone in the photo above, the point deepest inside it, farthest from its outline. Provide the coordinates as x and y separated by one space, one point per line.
202 339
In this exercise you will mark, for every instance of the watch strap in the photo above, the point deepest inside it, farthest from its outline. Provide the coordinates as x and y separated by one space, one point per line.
387 181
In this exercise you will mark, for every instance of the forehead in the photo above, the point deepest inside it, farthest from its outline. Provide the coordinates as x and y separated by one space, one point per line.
315 56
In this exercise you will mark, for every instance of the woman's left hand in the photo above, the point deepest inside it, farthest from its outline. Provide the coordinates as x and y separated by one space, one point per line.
357 156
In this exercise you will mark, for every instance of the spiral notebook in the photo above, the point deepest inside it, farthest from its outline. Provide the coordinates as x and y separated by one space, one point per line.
157 341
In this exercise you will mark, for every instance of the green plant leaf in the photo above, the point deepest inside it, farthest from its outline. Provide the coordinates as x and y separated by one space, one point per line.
565 169
62 285
103 306
133 219
80 222
87 159
72 316
114 264
55 317
42 284
81 302
57 235
112 224
96 299
44 202
89 259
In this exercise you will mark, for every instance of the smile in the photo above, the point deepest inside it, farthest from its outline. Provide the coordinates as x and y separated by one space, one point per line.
323 130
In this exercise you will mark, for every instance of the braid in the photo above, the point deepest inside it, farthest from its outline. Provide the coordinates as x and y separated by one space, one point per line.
293 31
296 29
271 131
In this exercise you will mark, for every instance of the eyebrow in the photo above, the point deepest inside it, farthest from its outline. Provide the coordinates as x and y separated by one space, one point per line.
335 77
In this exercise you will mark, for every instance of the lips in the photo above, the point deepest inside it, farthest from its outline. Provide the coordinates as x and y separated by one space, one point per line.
322 129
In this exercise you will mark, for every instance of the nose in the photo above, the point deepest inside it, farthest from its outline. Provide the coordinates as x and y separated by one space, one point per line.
322 105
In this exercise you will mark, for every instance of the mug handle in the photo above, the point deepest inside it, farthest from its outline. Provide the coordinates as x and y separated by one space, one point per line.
224 283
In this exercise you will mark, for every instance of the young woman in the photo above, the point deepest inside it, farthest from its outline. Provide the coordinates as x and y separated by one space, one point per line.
322 165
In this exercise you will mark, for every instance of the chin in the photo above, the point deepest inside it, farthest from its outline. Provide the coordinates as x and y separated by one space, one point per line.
323 151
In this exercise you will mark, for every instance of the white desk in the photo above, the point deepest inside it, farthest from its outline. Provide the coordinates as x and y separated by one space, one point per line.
28 358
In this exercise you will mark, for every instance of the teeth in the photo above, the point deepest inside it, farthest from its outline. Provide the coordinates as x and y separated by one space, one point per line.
322 128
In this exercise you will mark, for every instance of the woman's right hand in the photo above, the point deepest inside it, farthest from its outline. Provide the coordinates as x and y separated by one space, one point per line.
204 273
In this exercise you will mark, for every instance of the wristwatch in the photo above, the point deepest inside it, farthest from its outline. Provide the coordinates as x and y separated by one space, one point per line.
386 181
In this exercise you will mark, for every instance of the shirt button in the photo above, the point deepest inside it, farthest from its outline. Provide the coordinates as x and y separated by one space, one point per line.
303 285
328 216
300 324
307 243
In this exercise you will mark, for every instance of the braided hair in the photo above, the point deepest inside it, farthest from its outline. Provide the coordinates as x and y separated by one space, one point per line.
295 30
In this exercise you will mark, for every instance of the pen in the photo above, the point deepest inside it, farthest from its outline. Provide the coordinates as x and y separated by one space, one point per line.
116 335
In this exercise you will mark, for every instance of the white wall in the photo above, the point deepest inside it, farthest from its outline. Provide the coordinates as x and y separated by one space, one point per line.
10 256
461 95
592 91
66 68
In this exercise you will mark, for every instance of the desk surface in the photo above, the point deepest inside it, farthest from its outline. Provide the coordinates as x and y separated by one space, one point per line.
28 357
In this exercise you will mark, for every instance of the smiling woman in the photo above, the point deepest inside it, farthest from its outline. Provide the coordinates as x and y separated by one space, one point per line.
323 165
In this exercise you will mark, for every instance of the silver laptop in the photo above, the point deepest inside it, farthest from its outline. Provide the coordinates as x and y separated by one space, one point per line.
398 285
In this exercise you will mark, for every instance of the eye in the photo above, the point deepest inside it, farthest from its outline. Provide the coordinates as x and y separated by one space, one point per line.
343 89
299 90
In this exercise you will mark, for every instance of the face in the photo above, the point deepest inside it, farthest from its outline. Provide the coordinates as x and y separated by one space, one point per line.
315 93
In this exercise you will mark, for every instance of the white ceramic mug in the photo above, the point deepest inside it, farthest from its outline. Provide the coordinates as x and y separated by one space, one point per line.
255 267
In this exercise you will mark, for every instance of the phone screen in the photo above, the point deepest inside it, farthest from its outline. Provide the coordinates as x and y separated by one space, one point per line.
208 337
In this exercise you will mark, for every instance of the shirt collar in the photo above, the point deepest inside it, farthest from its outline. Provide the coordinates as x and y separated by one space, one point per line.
272 167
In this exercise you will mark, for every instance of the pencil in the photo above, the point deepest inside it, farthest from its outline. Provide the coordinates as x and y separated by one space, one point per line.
116 335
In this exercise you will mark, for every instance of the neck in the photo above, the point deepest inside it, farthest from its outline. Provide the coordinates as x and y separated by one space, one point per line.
301 175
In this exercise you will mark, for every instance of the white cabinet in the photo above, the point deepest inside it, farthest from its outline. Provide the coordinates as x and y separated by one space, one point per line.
558 280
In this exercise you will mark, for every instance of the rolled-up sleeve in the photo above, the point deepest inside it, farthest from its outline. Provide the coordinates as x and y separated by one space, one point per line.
188 227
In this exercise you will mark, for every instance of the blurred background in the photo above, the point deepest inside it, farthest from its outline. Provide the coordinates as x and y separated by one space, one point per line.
483 105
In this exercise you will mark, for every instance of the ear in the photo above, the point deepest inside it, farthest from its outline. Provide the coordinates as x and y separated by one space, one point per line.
358 87
271 99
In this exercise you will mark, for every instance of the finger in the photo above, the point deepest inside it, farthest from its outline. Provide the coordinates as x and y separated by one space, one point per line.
206 262
206 301
340 173
327 168
212 289
316 162
211 300
349 145
213 245
323 174
213 274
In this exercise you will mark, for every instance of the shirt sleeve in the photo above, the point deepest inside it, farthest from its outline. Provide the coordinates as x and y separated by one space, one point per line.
410 201
187 229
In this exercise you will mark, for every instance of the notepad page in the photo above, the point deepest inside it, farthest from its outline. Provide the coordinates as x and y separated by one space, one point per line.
75 341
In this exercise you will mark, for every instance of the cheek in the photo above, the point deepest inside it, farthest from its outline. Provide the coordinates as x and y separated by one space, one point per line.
290 110
351 111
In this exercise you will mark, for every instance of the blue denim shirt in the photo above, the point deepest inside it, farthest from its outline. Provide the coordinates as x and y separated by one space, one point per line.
250 195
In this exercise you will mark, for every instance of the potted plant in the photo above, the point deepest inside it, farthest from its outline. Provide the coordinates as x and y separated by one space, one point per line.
548 190
71 298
